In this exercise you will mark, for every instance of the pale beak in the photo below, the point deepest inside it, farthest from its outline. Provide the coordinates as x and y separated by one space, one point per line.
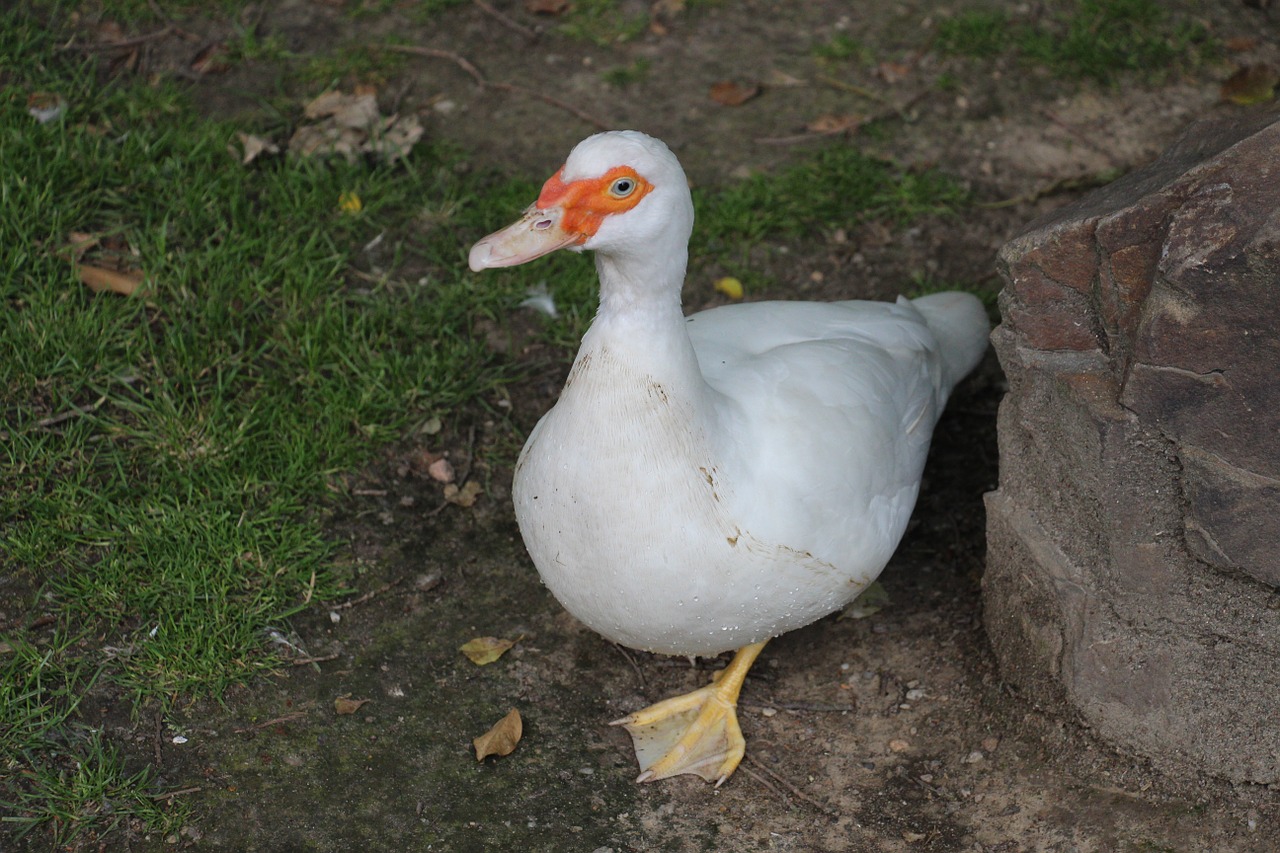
535 234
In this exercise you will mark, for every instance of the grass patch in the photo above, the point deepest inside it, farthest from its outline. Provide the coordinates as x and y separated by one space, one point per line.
601 22
1090 39
839 184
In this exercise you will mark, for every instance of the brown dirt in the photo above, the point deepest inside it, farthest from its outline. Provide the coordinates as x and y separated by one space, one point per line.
892 733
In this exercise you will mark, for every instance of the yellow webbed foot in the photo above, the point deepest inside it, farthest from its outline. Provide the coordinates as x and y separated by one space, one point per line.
695 733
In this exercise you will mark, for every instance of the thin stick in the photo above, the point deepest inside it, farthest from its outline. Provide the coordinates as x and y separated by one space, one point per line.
368 595
799 706
287 718
126 43
321 659
458 60
74 412
627 655
467 66
171 794
763 781
506 21
792 788
555 102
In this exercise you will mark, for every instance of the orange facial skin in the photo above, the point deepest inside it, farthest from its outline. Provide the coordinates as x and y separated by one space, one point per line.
587 202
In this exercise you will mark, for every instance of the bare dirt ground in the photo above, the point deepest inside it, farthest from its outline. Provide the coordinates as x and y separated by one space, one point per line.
890 733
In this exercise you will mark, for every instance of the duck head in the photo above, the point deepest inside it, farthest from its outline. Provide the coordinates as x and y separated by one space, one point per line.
620 194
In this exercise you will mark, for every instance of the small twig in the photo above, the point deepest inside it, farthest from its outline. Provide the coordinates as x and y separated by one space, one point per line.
857 90
457 59
630 660
159 731
287 718
370 493
894 111
766 783
170 794
799 706
368 595
74 412
321 659
467 66
555 102
1080 135
126 43
792 788
506 20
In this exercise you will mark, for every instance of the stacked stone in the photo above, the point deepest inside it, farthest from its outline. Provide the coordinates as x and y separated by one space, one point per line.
1134 541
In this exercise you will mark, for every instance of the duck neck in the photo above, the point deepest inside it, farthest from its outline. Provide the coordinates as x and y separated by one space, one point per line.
640 317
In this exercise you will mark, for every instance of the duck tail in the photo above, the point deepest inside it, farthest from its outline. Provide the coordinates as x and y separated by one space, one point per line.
959 322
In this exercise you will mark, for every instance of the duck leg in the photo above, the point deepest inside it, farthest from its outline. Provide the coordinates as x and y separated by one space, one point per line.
694 733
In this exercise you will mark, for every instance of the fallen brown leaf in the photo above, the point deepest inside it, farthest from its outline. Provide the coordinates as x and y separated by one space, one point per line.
485 650
732 94
546 7
1240 44
1252 84
502 738
464 497
101 280
212 59
892 72
345 706
834 123
254 147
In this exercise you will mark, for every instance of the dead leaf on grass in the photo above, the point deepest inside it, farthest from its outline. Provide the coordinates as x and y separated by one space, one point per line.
502 738
345 705
1252 84
101 280
485 650
464 497
254 147
832 124
213 59
350 125
546 7
730 93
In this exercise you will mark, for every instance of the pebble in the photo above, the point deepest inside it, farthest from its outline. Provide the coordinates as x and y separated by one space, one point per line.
974 757
899 745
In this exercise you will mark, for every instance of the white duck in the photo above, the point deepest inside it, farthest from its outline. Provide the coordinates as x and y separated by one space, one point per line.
707 483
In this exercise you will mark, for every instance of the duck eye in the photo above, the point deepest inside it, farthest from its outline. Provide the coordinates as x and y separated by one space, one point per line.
622 187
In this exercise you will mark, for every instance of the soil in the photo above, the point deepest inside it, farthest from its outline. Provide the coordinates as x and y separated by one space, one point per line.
893 732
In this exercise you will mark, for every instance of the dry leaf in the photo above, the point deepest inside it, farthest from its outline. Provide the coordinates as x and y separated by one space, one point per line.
485 650
345 110
79 242
254 147
830 124
502 738
464 497
345 705
1252 84
100 279
546 7
1240 44
212 60
731 94
892 72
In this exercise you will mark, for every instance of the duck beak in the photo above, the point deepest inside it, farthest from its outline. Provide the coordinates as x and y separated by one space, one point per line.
537 233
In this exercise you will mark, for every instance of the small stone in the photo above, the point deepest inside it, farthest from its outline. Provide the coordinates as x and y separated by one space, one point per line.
441 471
974 757
990 744
768 712
899 745
914 695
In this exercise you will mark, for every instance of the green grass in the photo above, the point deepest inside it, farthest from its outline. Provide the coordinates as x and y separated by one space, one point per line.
1089 39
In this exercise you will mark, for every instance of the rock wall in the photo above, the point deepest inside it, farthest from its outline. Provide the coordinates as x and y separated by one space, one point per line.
1134 540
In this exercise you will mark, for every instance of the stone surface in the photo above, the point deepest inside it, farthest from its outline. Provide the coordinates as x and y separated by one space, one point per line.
1134 539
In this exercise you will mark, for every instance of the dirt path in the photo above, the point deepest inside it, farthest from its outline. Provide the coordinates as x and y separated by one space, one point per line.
889 733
